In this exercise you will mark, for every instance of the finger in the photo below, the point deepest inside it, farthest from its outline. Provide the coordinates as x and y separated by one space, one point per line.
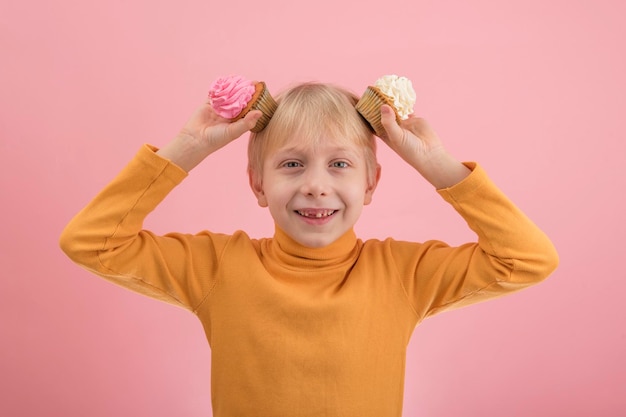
388 120
241 126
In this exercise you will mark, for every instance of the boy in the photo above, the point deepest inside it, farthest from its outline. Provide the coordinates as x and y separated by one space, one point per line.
311 322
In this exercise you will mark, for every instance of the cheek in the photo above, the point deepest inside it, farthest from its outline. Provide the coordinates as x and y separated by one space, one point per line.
356 193
278 194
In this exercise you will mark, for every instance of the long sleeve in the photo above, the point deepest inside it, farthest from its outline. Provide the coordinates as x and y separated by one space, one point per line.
512 253
106 237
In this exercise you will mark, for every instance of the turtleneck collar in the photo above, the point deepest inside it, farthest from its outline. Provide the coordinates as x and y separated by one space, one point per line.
292 255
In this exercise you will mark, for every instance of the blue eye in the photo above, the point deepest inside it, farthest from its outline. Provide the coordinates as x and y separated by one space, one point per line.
292 164
340 164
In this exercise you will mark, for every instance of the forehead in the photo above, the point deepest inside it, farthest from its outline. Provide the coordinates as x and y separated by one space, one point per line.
321 144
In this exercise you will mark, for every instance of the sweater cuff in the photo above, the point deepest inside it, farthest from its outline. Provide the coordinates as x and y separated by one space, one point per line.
468 186
148 157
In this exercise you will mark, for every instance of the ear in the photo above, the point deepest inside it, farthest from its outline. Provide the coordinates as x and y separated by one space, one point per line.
369 192
256 184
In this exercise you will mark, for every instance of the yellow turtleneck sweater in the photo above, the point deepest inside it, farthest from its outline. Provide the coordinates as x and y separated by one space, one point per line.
296 331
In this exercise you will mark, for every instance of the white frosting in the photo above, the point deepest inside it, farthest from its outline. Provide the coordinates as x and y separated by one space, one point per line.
400 89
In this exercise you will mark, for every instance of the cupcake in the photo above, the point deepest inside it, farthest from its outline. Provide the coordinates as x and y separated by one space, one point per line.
233 97
395 91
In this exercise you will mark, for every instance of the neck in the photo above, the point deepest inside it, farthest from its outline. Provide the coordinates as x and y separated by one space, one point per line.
290 252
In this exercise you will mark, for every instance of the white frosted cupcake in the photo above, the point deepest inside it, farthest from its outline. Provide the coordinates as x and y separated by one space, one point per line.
397 92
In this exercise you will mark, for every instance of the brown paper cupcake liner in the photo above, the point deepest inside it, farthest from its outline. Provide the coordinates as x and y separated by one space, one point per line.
261 100
369 107
267 106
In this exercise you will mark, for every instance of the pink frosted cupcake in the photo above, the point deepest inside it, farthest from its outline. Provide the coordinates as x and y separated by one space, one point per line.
397 92
234 96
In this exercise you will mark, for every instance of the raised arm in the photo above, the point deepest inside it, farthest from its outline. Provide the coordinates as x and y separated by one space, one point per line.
511 253
107 236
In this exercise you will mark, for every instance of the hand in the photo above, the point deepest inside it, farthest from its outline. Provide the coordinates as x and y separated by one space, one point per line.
413 139
418 144
204 133
209 130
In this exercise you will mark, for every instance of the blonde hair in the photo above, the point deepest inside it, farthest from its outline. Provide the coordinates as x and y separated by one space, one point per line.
310 112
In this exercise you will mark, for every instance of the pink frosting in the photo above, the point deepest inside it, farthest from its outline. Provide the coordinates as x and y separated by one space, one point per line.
230 95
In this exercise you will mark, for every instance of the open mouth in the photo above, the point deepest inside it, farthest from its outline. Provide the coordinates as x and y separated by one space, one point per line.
316 213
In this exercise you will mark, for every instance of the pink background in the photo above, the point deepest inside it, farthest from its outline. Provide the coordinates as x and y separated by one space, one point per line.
534 90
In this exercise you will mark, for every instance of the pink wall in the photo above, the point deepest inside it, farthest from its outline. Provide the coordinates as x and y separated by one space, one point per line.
534 90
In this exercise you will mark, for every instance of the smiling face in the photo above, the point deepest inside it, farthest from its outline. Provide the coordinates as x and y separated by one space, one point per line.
314 165
315 194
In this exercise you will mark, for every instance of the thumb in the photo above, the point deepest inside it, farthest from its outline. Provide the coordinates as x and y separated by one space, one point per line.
388 120
241 126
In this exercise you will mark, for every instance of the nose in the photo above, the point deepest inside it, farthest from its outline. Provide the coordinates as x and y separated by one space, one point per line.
315 182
